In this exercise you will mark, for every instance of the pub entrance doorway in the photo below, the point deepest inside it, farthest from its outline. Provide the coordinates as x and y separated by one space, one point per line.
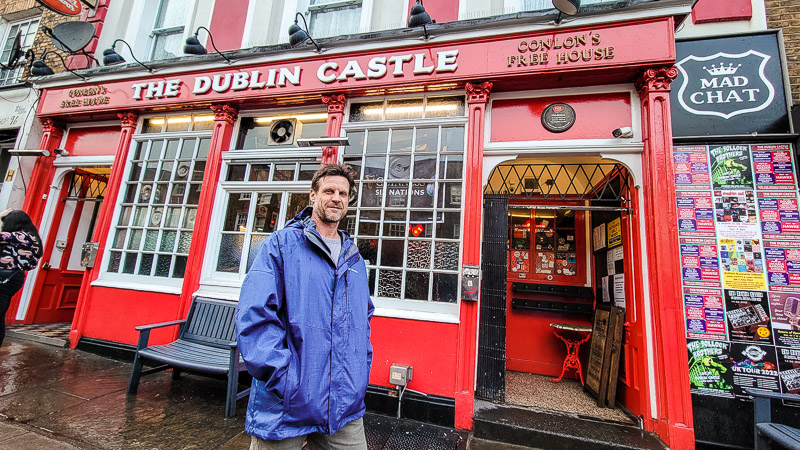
547 268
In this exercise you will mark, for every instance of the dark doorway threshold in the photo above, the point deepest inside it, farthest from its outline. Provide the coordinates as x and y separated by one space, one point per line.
547 429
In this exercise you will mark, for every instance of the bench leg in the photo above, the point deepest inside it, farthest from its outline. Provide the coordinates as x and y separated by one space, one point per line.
136 373
233 388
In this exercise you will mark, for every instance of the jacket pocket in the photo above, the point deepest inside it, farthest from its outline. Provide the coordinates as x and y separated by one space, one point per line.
356 370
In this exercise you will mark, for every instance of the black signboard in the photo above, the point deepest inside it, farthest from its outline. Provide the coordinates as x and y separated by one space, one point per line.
729 86
558 117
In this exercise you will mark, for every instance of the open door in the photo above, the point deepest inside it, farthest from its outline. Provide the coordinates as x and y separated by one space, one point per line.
56 294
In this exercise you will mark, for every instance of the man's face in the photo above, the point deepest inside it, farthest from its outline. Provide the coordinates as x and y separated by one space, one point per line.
330 201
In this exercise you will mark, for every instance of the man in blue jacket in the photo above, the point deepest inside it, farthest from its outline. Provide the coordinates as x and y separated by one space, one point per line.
303 327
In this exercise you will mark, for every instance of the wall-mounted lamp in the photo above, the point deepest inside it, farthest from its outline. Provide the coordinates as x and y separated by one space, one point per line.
39 68
111 57
298 35
29 152
568 7
418 17
194 47
323 142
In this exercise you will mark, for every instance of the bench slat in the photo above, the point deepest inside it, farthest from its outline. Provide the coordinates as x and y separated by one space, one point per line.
782 434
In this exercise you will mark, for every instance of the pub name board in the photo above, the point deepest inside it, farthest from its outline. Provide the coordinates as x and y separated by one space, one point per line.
598 47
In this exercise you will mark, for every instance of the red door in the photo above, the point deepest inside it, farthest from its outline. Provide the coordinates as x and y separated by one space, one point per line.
60 275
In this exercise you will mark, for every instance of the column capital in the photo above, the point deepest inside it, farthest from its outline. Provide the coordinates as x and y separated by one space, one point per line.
225 112
51 126
335 103
128 119
478 92
656 80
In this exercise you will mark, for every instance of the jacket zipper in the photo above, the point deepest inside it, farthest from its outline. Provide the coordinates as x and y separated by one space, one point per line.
330 359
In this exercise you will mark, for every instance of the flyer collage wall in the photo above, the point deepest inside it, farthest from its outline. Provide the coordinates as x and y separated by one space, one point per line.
739 239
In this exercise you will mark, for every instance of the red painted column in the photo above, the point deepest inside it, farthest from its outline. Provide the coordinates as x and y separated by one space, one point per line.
478 96
335 104
224 119
42 174
103 226
675 422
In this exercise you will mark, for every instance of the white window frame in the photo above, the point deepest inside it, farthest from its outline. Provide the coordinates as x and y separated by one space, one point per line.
146 283
414 309
308 9
156 32
17 73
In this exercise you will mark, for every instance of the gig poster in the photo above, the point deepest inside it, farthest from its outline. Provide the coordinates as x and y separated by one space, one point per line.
785 314
739 243
710 370
779 214
783 265
691 167
705 313
748 316
789 370
730 167
754 367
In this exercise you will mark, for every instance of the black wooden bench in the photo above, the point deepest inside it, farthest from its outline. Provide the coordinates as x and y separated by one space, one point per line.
766 432
206 343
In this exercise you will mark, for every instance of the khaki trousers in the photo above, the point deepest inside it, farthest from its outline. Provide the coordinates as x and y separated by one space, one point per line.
350 437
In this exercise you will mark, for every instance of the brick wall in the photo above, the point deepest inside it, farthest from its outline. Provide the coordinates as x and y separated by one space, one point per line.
13 10
785 14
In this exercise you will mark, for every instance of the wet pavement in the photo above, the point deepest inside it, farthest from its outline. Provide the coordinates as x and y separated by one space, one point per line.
56 398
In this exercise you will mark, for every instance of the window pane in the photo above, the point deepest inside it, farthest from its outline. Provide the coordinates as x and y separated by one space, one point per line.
397 195
168 45
404 109
335 21
167 241
368 225
417 285
446 256
389 283
284 172
444 107
173 13
400 167
394 223
369 250
194 194
377 141
236 172
392 253
371 194
307 171
267 208
185 242
356 139
163 264
449 225
146 265
422 195
255 246
153 125
230 252
451 167
425 167
180 266
427 139
236 216
130 262
364 112
113 262
449 195
296 204
259 172
374 168
178 123
419 255
445 287
452 139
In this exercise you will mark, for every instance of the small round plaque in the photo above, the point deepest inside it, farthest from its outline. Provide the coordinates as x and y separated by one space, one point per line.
558 117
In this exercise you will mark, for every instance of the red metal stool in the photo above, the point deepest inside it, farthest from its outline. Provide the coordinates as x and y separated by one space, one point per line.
571 361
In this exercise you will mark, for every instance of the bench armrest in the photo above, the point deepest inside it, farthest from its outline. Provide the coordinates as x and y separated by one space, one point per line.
772 395
159 325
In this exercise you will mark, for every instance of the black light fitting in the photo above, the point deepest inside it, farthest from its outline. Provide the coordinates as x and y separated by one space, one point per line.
194 47
298 35
111 57
39 68
419 17
568 7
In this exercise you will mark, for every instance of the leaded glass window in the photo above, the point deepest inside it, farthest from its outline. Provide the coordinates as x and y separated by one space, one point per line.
158 207
407 218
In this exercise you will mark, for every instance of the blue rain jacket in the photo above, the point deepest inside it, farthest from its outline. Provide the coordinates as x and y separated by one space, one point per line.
303 331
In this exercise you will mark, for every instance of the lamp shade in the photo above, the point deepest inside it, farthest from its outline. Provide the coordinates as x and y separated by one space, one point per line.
193 46
111 57
568 7
418 17
40 69
296 35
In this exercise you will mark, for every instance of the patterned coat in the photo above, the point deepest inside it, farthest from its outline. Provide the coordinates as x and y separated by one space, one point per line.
18 250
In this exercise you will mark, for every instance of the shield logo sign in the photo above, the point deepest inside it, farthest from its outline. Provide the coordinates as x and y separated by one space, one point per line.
725 85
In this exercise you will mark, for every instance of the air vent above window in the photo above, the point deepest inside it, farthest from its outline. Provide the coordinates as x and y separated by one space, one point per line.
282 132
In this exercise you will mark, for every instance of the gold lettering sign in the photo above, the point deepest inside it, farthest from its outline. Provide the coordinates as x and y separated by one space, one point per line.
561 50
87 96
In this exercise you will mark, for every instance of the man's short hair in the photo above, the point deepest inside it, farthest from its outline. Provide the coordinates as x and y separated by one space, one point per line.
335 170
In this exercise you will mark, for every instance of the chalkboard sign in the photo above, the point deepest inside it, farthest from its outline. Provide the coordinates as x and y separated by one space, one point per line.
604 355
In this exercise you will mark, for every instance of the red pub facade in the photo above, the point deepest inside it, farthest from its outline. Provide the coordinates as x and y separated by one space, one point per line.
487 146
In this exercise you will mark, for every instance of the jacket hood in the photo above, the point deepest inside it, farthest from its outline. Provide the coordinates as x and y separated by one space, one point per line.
304 221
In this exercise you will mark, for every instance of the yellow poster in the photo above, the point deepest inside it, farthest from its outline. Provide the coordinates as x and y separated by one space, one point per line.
748 281
614 232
